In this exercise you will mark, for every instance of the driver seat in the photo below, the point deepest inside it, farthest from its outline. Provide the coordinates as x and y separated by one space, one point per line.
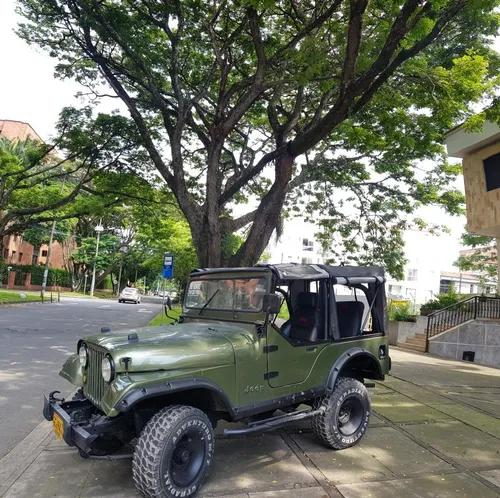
304 323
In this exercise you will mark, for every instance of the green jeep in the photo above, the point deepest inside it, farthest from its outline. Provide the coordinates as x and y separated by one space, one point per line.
160 391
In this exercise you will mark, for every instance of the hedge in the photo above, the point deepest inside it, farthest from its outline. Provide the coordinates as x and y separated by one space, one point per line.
55 276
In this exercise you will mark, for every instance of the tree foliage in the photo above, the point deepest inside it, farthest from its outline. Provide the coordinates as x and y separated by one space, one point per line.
480 259
42 182
332 108
145 223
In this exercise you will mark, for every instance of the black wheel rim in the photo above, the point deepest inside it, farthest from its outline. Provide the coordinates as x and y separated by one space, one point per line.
350 416
187 458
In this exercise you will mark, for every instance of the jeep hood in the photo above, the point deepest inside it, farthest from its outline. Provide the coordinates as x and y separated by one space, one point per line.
171 347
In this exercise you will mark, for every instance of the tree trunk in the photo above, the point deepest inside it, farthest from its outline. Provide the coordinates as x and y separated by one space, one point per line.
208 244
267 217
207 236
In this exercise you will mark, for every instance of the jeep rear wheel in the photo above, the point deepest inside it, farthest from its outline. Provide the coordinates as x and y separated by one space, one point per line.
174 453
346 414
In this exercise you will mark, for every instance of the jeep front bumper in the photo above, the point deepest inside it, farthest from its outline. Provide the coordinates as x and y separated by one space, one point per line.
73 434
87 427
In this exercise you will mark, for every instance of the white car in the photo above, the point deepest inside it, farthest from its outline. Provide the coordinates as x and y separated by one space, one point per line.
130 294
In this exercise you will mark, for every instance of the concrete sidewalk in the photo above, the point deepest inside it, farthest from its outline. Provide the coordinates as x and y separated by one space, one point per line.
435 432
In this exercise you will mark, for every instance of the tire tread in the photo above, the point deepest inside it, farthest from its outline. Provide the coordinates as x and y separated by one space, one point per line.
321 423
148 452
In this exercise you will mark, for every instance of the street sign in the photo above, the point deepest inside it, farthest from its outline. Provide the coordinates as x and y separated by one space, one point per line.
168 265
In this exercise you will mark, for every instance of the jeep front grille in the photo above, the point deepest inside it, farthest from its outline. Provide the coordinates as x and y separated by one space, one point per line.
94 385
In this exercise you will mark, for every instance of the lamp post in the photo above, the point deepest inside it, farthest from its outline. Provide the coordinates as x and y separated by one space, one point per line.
99 228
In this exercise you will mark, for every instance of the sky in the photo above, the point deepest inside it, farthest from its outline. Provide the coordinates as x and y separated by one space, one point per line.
29 92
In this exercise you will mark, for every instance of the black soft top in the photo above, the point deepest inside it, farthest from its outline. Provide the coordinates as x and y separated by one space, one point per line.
295 271
368 279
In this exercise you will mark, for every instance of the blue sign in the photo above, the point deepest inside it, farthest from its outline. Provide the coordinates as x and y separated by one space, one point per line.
168 265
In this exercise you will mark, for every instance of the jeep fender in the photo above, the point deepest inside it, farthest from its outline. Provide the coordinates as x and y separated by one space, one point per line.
347 357
176 386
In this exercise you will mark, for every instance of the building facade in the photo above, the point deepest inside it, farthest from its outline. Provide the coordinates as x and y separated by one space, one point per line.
480 154
17 130
15 249
297 244
424 253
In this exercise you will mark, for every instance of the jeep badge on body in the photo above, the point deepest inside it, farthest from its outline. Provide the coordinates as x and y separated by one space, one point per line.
162 390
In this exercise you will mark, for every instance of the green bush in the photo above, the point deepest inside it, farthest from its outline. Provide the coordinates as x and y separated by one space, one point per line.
56 276
401 312
441 301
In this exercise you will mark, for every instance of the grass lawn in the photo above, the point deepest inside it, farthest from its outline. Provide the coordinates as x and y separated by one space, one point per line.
14 296
161 319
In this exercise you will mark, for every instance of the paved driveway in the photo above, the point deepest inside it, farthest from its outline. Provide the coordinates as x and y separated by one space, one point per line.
34 342
435 432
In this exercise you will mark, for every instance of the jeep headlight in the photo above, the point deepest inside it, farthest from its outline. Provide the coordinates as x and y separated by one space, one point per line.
108 368
83 355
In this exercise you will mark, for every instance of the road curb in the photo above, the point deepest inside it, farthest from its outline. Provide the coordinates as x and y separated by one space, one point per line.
19 458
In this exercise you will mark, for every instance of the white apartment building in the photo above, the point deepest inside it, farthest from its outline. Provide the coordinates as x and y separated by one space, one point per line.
427 257
296 245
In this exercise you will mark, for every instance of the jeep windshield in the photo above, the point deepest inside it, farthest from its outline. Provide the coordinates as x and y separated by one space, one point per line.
226 294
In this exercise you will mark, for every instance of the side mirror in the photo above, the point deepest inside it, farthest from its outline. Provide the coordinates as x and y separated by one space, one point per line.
271 303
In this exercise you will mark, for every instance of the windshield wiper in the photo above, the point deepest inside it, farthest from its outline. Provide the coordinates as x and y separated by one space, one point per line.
208 302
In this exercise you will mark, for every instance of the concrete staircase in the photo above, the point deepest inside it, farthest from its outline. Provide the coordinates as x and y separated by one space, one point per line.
415 343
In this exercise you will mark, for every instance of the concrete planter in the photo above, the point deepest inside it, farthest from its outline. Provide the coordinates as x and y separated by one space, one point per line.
400 331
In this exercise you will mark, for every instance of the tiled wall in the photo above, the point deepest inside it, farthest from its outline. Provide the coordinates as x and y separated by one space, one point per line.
483 207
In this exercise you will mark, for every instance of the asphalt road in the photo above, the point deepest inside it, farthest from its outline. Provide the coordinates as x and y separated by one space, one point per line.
35 339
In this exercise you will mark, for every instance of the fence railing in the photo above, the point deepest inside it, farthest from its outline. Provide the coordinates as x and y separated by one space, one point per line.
463 311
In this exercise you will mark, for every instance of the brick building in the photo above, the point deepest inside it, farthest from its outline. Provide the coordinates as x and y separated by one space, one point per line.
17 130
15 250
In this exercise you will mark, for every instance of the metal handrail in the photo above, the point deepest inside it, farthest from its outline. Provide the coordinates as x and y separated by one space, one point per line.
446 318
454 305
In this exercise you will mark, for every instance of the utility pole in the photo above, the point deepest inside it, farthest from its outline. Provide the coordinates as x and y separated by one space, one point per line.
99 228
123 252
119 276
49 250
47 260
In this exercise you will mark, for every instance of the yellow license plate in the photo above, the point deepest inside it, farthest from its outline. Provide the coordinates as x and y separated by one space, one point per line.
58 426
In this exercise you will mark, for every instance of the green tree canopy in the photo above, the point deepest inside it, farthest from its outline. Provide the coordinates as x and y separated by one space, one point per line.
41 182
332 108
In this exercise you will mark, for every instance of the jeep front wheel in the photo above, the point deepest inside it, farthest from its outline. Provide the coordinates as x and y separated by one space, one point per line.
346 414
174 453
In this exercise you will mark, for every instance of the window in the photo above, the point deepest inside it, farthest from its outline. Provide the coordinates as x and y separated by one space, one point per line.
307 245
492 172
34 259
445 286
12 256
411 293
20 257
395 289
412 274
242 294
44 253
